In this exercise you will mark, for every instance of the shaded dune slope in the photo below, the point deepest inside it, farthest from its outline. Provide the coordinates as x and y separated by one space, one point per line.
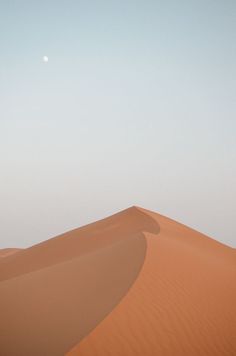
53 294
133 284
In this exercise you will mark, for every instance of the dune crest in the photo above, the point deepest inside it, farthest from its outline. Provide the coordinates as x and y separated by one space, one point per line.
133 284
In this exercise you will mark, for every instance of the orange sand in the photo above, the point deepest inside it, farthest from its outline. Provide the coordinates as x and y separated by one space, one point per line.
134 284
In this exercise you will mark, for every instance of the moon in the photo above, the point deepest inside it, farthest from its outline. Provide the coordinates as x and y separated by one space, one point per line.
45 59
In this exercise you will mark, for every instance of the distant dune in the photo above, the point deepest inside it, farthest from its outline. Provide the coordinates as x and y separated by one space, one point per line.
133 284
8 251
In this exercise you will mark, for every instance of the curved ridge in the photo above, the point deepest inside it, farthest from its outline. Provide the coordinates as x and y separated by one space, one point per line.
175 305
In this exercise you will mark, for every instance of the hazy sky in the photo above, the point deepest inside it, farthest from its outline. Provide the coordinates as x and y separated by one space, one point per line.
136 106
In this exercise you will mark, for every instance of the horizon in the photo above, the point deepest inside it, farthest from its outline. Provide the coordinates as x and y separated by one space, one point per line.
115 213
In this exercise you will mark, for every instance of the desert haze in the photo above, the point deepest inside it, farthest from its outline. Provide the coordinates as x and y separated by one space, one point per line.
133 284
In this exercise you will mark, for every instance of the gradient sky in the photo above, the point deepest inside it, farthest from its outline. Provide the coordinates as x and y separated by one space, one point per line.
136 106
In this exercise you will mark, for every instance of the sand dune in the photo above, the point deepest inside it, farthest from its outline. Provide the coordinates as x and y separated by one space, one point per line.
8 251
136 283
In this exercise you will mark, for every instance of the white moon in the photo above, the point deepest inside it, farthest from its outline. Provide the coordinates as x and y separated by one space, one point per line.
45 59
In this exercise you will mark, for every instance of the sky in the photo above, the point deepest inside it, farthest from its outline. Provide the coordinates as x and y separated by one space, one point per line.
136 106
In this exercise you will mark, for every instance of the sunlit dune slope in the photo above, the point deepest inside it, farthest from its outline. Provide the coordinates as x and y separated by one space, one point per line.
133 284
182 303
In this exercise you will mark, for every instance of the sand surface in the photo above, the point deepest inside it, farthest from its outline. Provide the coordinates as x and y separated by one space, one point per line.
136 283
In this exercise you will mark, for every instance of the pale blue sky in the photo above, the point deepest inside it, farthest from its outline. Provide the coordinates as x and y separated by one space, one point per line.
136 106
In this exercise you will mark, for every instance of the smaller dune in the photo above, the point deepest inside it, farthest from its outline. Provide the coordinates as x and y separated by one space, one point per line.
5 252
